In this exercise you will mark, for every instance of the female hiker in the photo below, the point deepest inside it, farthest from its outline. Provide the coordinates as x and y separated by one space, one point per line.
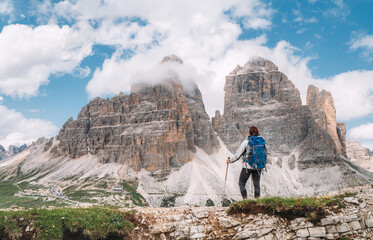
255 157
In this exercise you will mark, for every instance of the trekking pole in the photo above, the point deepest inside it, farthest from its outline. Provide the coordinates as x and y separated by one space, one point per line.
226 174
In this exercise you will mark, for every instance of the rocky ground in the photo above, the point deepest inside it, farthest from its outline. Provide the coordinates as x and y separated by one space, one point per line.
351 218
355 221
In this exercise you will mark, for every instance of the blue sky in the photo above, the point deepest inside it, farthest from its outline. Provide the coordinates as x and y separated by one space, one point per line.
57 55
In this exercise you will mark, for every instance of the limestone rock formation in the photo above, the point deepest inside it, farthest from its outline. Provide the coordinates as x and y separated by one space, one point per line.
322 107
163 128
172 58
257 94
12 150
360 155
154 127
2 153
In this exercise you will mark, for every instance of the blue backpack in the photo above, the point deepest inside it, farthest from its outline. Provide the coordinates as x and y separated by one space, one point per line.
258 152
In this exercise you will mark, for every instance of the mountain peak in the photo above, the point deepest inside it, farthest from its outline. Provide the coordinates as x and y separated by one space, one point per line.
257 64
172 58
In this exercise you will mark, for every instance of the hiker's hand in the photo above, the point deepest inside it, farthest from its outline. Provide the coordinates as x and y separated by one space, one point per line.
228 160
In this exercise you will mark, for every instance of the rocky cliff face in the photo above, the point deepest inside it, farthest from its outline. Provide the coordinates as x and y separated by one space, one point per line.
12 150
323 110
155 127
258 94
159 138
308 136
360 155
2 153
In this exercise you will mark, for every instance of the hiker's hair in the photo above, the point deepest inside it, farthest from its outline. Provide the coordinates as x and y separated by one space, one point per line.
253 131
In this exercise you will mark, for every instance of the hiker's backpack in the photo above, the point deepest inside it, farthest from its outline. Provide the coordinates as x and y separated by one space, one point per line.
258 152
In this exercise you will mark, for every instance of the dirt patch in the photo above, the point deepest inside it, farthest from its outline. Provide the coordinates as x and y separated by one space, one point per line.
251 208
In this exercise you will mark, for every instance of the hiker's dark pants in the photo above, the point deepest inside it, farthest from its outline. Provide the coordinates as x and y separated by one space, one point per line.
244 176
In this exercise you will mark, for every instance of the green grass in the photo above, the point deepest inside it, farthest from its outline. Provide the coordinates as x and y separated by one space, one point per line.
8 189
209 203
134 196
56 224
102 184
8 198
312 208
23 185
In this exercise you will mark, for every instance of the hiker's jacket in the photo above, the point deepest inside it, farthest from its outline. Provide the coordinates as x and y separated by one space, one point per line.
245 146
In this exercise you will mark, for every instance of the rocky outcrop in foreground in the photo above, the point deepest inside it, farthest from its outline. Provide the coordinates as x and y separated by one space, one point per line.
355 221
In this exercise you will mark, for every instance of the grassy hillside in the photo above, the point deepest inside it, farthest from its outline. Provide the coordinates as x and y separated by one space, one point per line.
66 223
92 192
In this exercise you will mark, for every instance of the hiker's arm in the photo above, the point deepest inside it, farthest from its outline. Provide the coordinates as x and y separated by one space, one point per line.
241 150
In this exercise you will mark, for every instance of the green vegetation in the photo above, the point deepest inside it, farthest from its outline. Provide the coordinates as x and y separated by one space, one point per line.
8 198
65 223
210 203
87 195
8 189
226 202
32 195
168 201
134 196
102 184
23 185
312 208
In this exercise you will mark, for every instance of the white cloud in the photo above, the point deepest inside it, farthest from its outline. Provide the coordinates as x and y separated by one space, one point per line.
318 36
301 31
352 93
300 19
29 55
339 10
15 129
203 36
6 7
81 72
1 99
257 23
308 45
33 110
206 38
363 42
48 49
364 132
254 14
118 74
